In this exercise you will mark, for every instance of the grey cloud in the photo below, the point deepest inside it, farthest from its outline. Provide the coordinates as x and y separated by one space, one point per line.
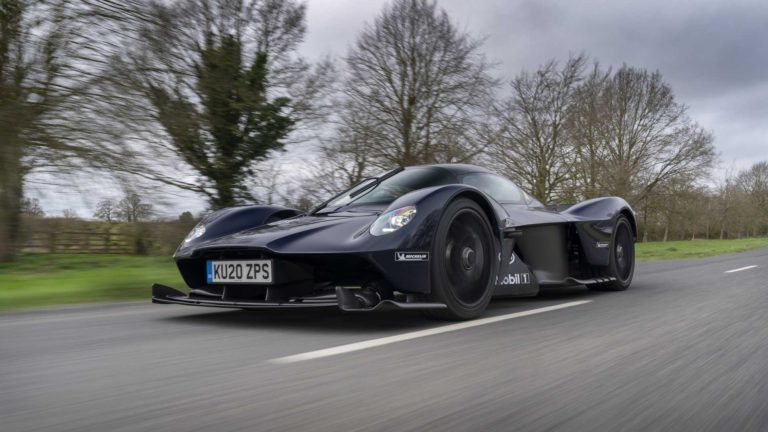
703 50
701 45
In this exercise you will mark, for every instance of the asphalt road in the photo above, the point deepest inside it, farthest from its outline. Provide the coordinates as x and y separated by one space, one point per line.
686 348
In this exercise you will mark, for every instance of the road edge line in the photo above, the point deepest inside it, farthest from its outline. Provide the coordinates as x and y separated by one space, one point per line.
372 343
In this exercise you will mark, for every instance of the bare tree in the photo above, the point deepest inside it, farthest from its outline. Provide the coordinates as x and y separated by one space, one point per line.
754 182
106 210
534 147
726 194
133 209
674 204
416 88
584 133
266 188
345 159
31 207
631 135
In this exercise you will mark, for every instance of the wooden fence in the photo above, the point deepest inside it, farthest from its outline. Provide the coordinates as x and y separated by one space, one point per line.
58 235
85 242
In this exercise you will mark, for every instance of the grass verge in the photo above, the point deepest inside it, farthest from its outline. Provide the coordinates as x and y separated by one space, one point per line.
687 249
36 280
40 279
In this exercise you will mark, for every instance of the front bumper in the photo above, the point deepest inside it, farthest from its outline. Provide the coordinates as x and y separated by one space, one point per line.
345 269
344 300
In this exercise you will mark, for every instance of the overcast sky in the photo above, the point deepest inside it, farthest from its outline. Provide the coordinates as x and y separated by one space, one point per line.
714 54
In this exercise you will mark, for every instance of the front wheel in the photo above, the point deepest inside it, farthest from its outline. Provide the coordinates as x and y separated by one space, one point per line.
462 270
621 265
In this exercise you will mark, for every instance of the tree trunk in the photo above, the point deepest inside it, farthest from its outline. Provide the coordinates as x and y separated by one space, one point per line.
225 195
10 220
645 220
11 195
666 232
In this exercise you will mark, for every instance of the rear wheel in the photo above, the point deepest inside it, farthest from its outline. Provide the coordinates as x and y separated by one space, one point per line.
462 269
622 260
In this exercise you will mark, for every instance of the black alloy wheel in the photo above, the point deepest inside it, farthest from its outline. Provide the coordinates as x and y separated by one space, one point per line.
463 269
622 260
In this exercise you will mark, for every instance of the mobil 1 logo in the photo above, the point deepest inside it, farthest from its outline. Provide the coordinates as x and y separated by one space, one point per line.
516 279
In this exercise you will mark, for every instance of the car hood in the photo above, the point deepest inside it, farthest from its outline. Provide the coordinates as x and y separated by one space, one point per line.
336 232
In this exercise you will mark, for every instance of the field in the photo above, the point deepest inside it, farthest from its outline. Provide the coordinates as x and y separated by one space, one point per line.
36 280
42 279
687 249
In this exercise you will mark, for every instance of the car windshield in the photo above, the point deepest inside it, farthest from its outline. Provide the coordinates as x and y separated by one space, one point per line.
392 187
497 187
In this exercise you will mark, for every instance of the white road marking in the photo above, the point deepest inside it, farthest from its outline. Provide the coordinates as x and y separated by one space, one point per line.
357 346
740 269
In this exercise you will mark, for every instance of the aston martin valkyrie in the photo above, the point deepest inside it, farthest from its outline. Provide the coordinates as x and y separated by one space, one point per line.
441 238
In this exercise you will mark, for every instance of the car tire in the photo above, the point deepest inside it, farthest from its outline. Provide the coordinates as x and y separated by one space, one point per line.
463 267
621 265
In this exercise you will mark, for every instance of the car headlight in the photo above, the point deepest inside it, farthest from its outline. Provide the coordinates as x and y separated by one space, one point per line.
393 221
196 232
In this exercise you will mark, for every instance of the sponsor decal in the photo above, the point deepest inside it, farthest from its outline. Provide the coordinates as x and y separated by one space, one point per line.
411 256
602 244
512 259
516 279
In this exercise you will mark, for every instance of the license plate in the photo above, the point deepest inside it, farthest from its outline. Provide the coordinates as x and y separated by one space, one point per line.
248 272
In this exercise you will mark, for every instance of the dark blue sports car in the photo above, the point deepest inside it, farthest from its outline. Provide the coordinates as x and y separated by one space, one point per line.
442 238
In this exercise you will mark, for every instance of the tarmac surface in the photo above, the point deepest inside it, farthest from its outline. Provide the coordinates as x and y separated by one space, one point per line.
685 348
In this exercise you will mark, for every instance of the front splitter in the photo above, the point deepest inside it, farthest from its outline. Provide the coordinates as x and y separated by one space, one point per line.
162 294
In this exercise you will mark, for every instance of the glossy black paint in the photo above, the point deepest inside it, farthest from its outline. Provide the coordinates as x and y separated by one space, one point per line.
538 246
595 220
233 220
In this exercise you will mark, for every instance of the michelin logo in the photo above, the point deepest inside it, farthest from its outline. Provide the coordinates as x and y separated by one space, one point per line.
411 256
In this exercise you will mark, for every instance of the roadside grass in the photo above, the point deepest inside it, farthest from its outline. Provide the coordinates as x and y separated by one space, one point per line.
36 280
689 249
